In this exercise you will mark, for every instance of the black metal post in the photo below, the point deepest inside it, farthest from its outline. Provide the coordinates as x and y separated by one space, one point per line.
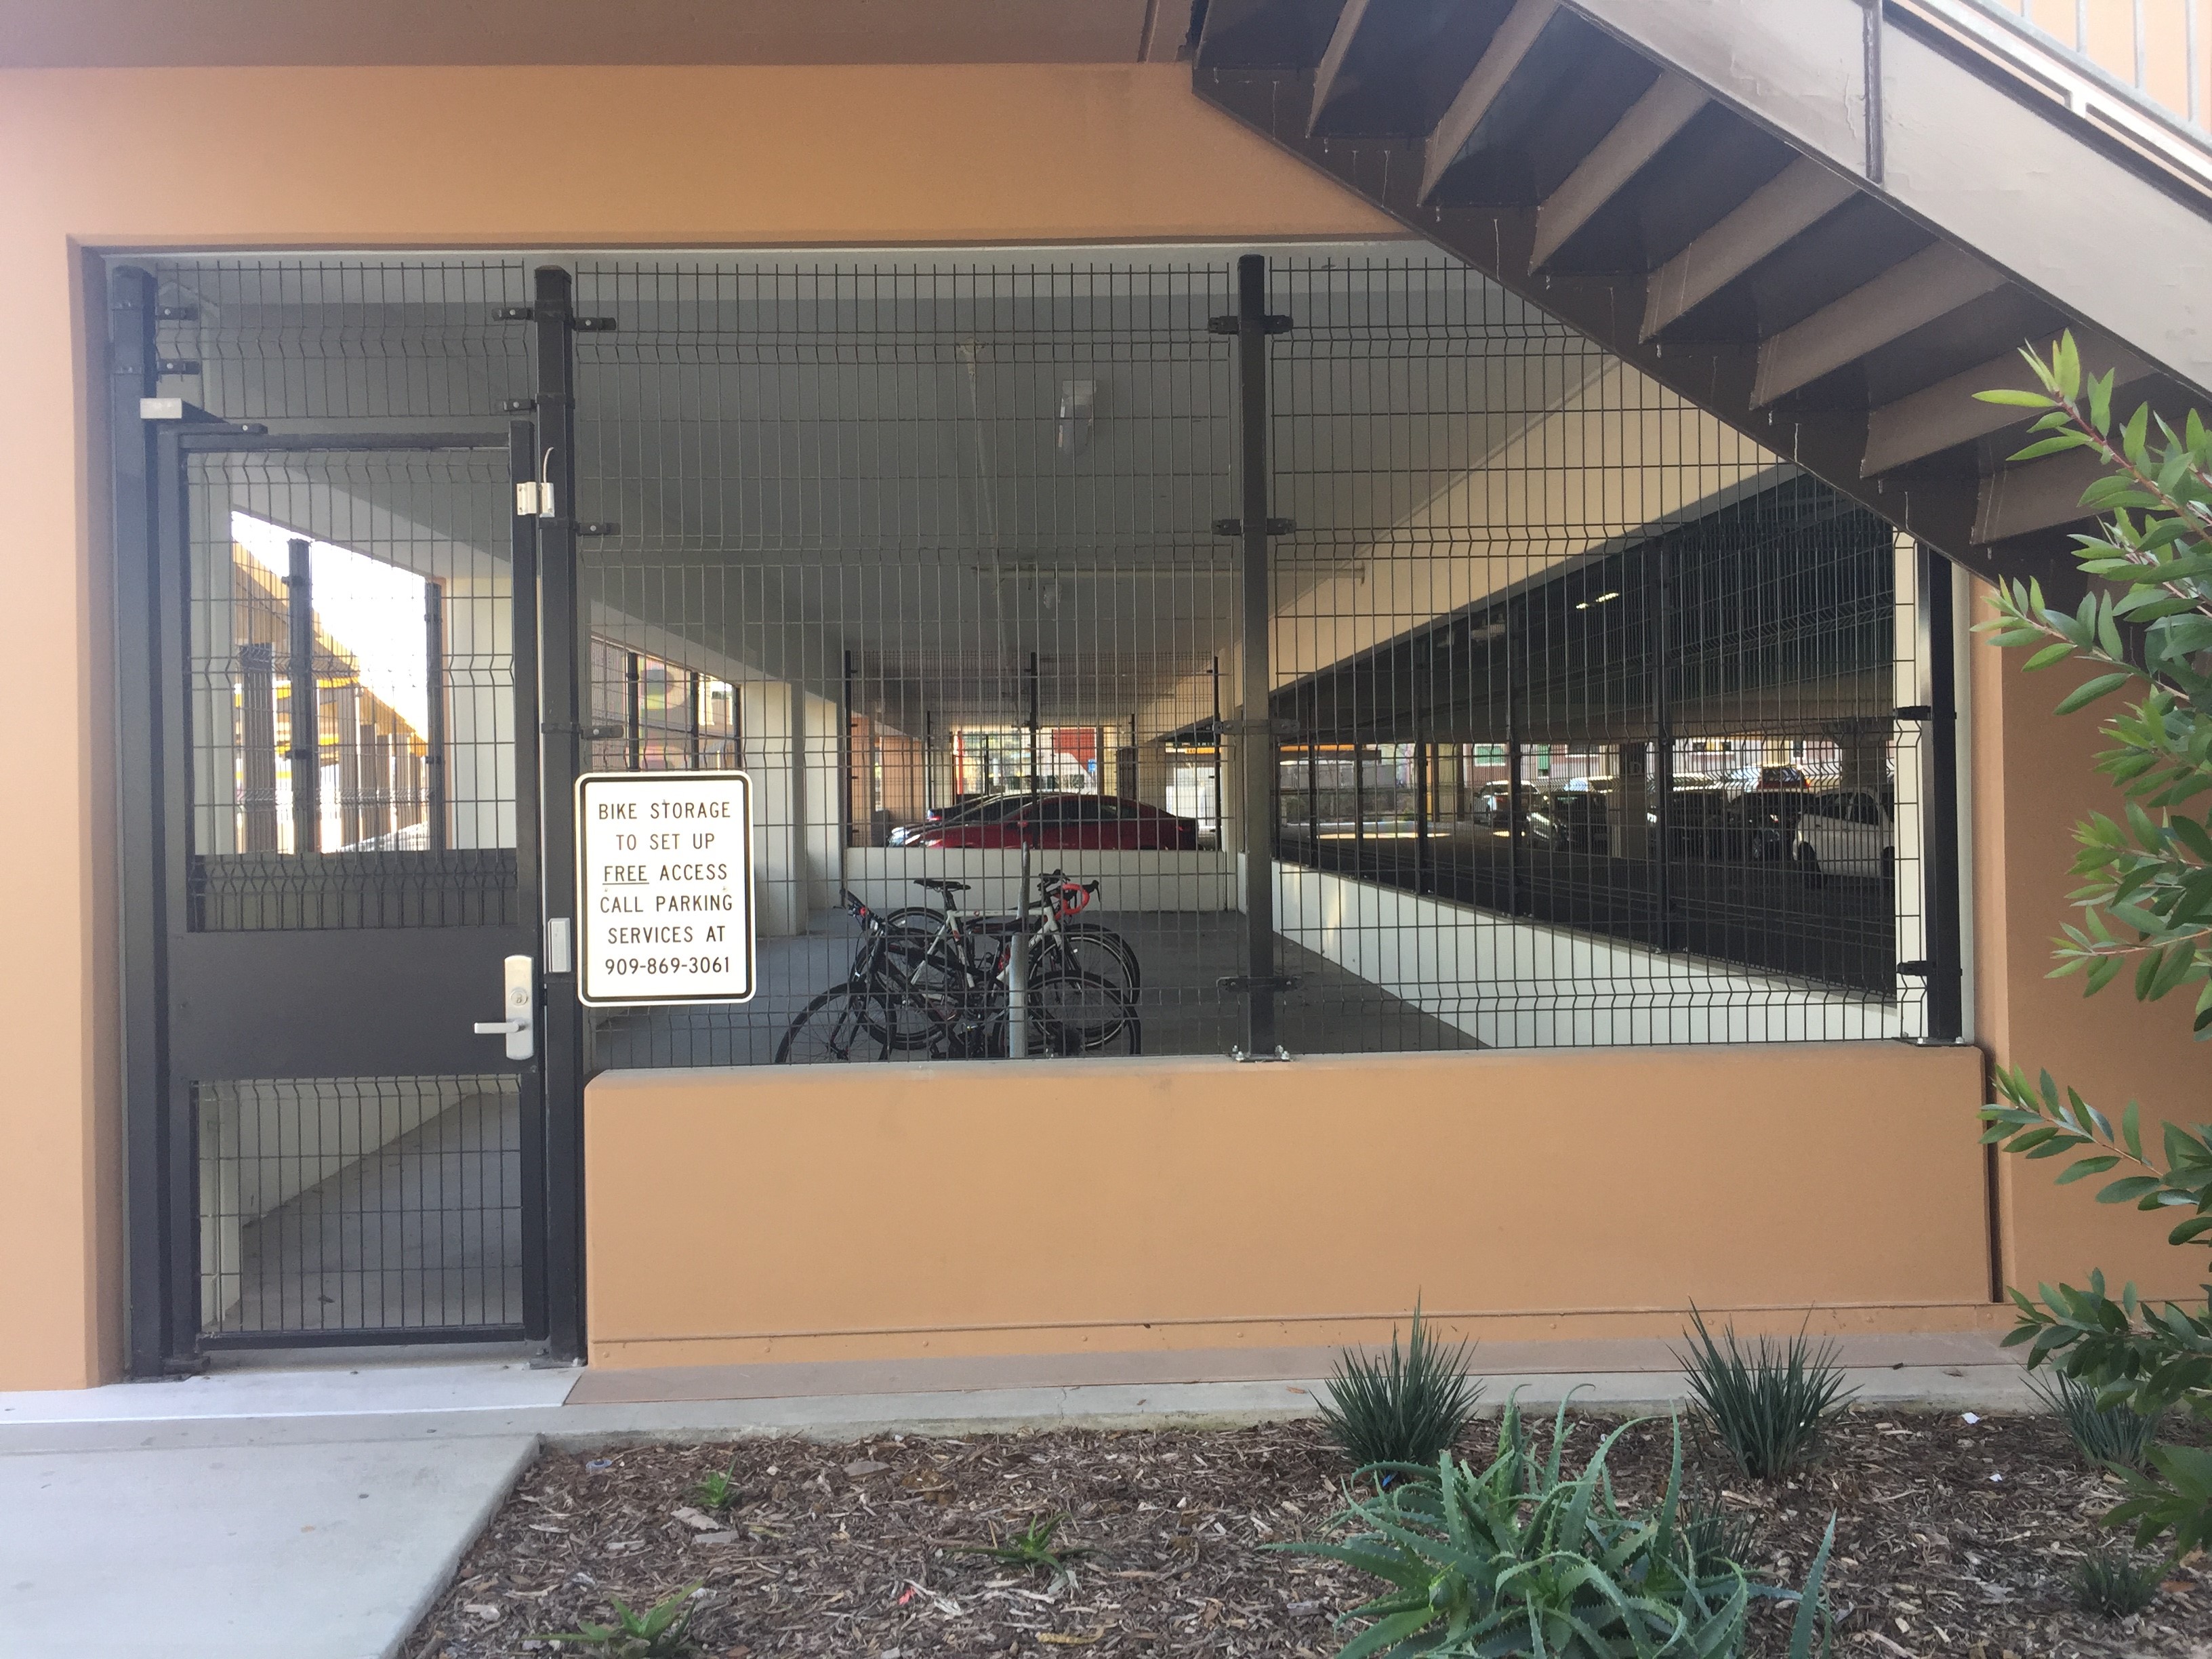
522 567
1220 805
1515 805
306 750
434 738
1940 791
846 752
634 712
564 710
696 687
1422 777
139 653
1663 770
1313 800
1253 325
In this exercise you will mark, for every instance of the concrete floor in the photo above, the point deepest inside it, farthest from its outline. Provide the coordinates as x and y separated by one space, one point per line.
424 1232
1182 1010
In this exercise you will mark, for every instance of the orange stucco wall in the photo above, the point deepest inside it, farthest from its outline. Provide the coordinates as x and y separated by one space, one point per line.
831 1212
444 157
2034 779
366 158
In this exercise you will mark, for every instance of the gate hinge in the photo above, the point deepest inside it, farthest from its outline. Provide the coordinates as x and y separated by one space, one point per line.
1915 711
593 324
607 527
517 405
177 314
1272 323
175 366
1235 526
514 315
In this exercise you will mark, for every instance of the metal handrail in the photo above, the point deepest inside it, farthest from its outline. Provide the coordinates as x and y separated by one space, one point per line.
2067 72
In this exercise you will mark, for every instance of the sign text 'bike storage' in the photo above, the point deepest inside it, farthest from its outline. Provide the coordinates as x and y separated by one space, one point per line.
664 887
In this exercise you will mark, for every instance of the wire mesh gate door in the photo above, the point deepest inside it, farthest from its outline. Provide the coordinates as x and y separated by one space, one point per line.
352 822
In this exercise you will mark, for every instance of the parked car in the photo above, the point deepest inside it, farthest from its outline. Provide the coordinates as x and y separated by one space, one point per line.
1763 823
975 809
1071 821
1848 832
1568 820
1745 779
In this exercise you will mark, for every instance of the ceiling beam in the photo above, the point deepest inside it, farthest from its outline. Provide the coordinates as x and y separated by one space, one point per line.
1332 61
1946 415
1932 284
2038 495
1623 153
1516 36
1784 207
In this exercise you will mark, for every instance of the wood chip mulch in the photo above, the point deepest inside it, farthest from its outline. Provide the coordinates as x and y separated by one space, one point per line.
1954 1538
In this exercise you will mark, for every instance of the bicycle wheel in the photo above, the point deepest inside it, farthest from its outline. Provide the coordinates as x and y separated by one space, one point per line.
1076 1013
843 1025
1087 949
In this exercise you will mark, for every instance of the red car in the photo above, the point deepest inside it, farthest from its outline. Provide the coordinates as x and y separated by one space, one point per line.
1096 822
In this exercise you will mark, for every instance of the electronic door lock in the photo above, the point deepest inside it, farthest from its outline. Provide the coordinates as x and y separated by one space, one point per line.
519 1028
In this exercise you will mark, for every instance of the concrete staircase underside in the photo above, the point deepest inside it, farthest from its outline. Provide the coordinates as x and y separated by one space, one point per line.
1827 225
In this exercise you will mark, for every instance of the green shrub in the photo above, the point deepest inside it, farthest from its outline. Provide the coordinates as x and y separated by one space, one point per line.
2113 1585
1405 1409
2142 905
2104 1434
1517 1560
1766 1404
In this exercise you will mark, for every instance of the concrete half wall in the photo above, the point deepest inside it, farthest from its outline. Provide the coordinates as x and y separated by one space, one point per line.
890 1211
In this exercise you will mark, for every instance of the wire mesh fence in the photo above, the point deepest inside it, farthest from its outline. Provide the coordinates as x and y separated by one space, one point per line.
358 1205
1583 725
1583 722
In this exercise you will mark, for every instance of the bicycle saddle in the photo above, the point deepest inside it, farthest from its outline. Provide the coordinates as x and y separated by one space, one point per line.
940 883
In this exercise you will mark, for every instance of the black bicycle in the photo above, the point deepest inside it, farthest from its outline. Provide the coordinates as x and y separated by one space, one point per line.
942 951
957 1009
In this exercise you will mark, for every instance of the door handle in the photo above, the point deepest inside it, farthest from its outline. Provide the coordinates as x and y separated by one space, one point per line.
519 1028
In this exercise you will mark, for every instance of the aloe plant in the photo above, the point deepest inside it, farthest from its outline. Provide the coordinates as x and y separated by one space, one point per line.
1518 1559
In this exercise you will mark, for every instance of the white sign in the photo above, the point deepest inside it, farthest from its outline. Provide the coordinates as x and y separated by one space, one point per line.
664 887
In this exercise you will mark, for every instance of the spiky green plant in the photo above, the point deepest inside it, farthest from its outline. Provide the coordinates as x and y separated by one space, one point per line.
1766 1403
717 1489
2117 1433
1405 1409
1033 1546
662 1631
1517 1560
2113 1584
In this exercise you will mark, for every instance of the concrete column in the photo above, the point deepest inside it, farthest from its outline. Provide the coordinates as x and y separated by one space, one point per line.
1862 756
1628 827
768 715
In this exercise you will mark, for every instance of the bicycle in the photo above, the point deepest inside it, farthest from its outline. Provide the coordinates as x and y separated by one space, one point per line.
860 1019
881 1012
939 948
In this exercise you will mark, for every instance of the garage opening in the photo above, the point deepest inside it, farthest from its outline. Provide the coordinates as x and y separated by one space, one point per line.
1119 643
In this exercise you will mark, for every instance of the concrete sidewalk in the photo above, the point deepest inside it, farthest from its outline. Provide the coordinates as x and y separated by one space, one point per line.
315 1514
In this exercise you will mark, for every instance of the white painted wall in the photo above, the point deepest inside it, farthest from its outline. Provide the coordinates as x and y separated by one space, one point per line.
1514 984
1128 881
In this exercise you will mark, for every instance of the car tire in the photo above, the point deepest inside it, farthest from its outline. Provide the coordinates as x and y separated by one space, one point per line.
1808 866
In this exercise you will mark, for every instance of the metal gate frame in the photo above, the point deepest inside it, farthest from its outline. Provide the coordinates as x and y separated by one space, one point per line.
148 442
